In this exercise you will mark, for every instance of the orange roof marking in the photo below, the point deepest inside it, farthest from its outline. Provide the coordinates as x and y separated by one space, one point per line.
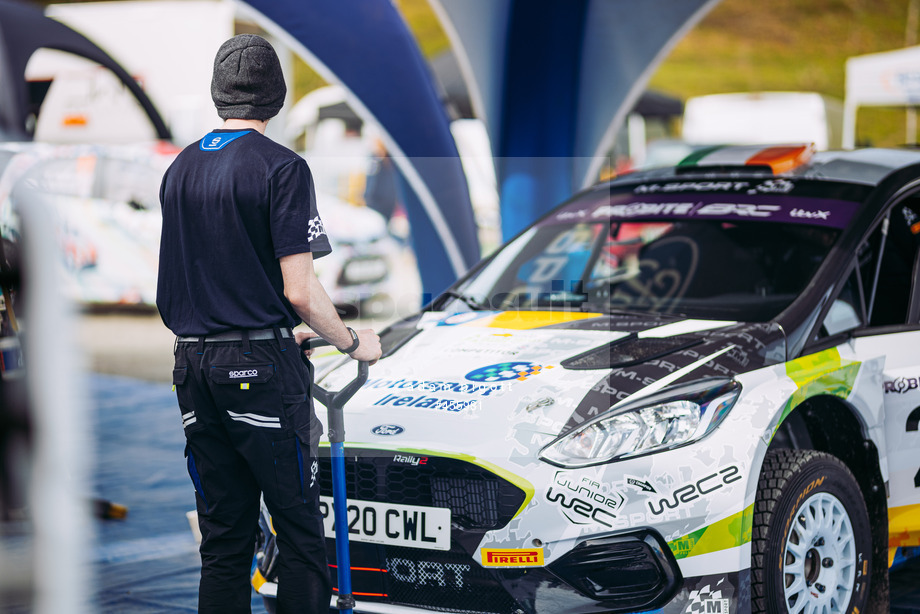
782 159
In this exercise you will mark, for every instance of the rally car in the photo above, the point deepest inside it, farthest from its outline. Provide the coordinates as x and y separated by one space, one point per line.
367 268
687 390
102 204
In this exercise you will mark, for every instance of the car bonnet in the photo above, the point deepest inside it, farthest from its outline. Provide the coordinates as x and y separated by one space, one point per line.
476 382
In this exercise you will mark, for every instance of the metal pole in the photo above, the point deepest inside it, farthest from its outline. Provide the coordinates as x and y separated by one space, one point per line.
910 39
60 513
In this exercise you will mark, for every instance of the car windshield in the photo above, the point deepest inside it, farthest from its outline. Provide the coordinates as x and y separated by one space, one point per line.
727 266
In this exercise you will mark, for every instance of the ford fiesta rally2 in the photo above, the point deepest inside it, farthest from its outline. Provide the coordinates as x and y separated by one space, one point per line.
691 390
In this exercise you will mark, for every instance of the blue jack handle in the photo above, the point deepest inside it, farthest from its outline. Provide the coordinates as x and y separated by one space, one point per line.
334 402
346 601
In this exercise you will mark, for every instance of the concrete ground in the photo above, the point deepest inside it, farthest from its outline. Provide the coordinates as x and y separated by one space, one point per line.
133 342
129 344
137 344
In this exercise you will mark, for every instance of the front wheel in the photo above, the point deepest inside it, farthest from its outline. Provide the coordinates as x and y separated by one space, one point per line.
812 545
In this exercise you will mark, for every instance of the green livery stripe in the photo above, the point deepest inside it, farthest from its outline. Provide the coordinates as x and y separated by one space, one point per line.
515 479
821 373
801 370
694 158
727 533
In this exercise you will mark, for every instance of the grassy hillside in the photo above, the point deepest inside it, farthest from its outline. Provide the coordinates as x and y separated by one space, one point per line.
740 46
424 25
743 45
788 45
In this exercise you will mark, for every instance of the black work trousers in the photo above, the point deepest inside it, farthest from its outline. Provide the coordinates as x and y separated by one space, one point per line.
250 429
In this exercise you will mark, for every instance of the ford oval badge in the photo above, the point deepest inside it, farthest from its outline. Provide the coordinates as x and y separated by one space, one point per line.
387 429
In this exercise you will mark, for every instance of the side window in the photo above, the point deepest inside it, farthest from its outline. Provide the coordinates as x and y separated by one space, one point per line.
880 288
888 280
846 312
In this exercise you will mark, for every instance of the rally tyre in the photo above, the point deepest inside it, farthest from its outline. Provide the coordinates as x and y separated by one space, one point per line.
812 544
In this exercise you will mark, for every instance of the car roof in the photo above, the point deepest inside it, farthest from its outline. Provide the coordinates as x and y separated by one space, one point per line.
864 166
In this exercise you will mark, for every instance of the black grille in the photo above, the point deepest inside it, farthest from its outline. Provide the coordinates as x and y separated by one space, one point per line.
477 498
630 572
434 580
471 501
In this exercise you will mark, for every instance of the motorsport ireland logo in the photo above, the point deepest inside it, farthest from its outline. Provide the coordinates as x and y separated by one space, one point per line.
505 371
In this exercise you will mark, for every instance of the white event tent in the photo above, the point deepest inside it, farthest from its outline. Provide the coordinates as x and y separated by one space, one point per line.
887 79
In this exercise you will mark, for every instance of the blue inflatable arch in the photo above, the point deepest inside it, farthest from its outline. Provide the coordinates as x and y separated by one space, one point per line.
552 79
366 47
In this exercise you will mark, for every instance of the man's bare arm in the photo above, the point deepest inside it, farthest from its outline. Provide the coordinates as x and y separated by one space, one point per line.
311 302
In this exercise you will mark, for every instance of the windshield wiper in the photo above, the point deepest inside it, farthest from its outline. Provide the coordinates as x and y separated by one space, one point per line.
601 308
469 301
619 311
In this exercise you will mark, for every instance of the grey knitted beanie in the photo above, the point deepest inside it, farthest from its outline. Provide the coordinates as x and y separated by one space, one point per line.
247 81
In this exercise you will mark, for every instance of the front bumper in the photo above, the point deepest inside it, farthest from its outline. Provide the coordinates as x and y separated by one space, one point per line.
627 572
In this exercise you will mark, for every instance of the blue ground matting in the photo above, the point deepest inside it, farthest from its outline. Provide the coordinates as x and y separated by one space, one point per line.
148 563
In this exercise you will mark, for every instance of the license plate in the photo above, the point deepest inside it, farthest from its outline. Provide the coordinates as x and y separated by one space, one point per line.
413 526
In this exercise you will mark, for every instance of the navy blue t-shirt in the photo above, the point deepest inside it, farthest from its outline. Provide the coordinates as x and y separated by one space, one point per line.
233 204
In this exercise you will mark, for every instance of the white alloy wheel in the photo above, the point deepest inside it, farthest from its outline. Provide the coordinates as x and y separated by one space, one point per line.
819 560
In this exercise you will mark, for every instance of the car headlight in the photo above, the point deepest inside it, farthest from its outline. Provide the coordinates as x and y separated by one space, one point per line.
663 421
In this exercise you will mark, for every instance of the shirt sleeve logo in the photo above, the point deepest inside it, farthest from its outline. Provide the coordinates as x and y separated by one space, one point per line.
315 229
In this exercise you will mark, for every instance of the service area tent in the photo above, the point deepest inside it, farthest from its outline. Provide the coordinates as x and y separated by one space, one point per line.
887 79
23 29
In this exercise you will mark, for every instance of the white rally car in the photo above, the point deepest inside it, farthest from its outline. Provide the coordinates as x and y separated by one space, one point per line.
687 390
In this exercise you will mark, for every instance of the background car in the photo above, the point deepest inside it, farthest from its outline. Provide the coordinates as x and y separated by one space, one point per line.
369 272
104 203
687 390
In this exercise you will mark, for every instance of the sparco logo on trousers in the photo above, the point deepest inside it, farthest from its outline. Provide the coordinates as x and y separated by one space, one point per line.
238 374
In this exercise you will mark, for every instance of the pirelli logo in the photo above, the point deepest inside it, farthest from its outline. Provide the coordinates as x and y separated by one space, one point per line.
512 557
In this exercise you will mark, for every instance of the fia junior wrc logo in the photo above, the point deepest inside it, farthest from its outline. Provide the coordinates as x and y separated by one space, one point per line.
512 557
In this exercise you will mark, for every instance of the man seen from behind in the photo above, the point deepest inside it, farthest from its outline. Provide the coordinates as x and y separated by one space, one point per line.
240 232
